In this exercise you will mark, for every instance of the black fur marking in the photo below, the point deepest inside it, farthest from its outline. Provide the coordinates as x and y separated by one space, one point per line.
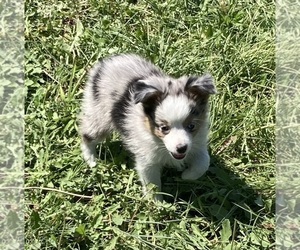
88 138
96 92
140 86
194 111
170 83
119 110
199 88
144 93
203 85
149 110
114 95
95 80
149 96
190 80
179 92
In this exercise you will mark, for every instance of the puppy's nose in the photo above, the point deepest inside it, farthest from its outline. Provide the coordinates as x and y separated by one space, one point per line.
181 149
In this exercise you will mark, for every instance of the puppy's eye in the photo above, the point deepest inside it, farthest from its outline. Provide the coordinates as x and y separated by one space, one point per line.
191 127
165 129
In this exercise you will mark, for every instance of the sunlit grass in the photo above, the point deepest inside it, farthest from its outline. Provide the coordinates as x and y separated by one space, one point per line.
231 207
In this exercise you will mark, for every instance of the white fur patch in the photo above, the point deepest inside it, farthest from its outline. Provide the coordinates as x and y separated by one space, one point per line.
174 109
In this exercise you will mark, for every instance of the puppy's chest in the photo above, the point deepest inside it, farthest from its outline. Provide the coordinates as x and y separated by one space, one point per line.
178 167
169 162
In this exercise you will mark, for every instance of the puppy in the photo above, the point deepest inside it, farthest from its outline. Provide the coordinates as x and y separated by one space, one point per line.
163 121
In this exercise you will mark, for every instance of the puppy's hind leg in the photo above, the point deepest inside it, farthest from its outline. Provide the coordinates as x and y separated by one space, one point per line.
88 148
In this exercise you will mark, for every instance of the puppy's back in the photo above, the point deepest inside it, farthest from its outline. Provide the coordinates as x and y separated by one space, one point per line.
107 92
111 76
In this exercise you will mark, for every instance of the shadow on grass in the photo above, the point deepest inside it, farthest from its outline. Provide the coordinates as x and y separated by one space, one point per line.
219 194
115 152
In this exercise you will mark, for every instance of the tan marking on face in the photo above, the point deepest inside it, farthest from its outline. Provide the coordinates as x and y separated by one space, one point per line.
157 128
148 124
154 127
159 133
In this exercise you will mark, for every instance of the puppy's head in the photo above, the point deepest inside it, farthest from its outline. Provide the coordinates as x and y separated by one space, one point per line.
175 109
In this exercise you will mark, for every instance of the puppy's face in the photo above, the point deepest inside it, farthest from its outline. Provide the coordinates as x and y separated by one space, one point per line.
175 109
176 121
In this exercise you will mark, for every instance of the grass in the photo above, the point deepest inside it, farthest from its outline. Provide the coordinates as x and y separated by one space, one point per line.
12 125
287 129
71 206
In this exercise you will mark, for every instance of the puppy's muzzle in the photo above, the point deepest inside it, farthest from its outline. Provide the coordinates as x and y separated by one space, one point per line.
180 151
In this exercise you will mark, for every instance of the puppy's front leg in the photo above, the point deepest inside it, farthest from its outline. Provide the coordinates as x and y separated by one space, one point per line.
88 148
150 174
198 165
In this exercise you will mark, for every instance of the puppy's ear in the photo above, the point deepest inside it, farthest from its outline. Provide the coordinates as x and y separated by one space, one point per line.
201 86
146 93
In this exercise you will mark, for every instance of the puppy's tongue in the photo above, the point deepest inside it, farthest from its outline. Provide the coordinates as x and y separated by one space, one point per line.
178 156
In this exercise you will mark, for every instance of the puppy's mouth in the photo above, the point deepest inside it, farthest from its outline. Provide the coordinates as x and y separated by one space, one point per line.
178 156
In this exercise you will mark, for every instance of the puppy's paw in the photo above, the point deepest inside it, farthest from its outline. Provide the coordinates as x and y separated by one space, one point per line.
91 162
89 156
188 175
151 192
192 174
90 159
